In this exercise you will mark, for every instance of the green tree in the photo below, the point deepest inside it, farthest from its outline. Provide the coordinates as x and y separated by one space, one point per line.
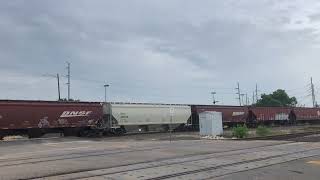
278 98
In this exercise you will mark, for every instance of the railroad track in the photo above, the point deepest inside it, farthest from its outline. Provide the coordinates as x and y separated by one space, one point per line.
184 163
228 165
169 161
198 156
103 152
283 136
76 155
95 153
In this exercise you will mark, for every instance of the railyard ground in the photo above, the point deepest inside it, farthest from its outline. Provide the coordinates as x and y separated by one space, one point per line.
277 130
153 156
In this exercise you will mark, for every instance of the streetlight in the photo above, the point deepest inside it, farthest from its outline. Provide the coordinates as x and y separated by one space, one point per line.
105 92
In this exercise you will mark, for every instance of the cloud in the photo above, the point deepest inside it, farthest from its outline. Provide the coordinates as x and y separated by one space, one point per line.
161 51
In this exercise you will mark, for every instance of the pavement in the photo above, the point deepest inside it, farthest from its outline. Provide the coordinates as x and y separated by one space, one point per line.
155 157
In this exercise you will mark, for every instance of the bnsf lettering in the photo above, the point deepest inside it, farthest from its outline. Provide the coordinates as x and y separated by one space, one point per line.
75 113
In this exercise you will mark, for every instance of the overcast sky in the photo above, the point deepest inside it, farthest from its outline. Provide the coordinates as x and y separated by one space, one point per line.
169 51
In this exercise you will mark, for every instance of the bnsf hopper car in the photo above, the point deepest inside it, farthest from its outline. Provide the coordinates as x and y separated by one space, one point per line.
36 118
147 117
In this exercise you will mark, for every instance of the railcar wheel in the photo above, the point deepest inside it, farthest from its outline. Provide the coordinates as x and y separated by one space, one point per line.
2 135
83 133
35 133
165 127
70 132
120 131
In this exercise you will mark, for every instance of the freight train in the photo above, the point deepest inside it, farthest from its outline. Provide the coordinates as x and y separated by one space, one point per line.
253 116
36 118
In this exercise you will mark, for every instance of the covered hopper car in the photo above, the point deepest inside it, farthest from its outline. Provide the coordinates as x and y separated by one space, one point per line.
36 118
307 114
275 115
230 114
253 116
147 117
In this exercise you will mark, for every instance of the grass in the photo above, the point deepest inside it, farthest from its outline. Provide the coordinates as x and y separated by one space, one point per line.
263 131
240 131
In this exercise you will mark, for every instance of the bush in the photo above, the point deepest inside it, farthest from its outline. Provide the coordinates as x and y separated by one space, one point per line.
240 131
262 131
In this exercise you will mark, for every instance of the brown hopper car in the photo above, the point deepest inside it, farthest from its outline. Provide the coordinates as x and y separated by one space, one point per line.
38 117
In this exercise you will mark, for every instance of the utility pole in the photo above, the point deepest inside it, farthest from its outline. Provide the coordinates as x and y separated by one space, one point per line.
69 83
313 94
213 98
58 79
247 103
253 98
257 93
58 82
242 97
172 111
105 92
239 94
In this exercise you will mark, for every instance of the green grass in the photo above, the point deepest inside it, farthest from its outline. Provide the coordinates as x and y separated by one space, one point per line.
240 131
263 131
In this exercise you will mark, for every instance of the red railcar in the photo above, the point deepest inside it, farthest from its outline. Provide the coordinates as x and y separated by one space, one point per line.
272 114
307 114
18 117
285 114
230 114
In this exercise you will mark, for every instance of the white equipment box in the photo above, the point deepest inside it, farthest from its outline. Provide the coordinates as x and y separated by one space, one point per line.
210 123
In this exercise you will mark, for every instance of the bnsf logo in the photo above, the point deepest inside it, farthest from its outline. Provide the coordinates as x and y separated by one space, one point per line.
66 114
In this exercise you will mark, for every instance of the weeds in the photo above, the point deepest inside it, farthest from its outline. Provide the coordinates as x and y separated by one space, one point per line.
240 131
263 131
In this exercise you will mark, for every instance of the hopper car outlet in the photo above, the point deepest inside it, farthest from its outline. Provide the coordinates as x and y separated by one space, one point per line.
36 118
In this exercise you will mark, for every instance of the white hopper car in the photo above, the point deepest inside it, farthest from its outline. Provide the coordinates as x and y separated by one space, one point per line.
125 117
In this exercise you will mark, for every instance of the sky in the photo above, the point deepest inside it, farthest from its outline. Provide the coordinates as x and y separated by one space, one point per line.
160 51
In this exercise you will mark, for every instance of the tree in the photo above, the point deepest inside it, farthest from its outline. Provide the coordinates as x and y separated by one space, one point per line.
278 98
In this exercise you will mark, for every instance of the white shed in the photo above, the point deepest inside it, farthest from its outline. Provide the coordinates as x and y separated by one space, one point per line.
210 123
